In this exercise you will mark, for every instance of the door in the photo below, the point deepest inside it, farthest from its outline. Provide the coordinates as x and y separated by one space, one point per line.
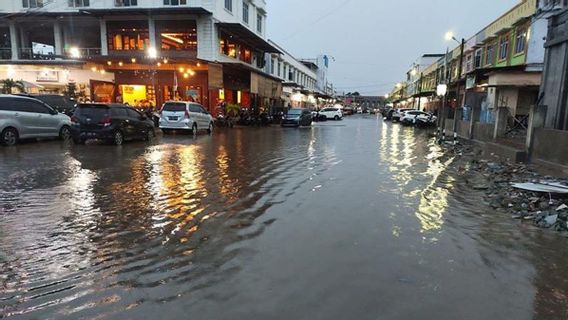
28 115
205 116
134 123
49 119
121 119
196 114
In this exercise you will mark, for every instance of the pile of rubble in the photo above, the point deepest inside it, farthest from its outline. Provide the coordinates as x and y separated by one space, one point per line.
504 185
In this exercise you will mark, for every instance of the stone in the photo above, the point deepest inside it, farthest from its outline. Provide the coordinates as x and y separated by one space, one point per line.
551 220
562 207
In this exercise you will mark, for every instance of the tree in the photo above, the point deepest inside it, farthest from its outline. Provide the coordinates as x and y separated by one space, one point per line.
71 90
8 85
356 94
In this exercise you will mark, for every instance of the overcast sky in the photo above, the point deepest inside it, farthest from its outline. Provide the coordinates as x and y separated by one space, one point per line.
374 42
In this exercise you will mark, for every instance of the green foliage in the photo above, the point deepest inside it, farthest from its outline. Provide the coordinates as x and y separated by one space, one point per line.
232 110
9 84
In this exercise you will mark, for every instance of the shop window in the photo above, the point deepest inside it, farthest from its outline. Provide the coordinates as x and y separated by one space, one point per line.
125 3
178 35
503 48
33 3
175 2
132 35
521 41
79 3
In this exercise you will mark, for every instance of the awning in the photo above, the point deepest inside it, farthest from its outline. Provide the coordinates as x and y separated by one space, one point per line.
245 35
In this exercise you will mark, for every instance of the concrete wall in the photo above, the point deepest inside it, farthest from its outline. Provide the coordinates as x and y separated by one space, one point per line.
463 129
483 131
551 145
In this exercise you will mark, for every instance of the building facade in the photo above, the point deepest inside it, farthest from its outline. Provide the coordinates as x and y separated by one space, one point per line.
209 51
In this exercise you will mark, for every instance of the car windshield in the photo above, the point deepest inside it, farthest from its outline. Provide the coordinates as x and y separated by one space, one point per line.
295 112
174 107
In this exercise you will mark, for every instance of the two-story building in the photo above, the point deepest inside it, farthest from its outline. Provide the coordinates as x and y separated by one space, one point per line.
132 50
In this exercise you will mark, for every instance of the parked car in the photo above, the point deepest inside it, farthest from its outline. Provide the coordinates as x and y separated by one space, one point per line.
179 115
399 114
58 102
348 111
297 117
24 118
411 117
332 113
112 122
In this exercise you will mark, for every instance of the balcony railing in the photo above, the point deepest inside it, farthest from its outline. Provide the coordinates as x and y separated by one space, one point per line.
28 54
82 53
5 53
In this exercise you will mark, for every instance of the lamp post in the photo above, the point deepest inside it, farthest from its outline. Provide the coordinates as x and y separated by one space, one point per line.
449 37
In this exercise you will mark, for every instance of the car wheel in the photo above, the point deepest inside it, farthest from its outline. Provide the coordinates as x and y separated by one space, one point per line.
336 118
150 134
210 129
65 133
9 136
194 128
118 138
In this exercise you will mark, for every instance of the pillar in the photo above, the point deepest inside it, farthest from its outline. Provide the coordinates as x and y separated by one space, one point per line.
24 41
475 115
103 31
500 122
458 116
14 40
152 34
57 36
537 118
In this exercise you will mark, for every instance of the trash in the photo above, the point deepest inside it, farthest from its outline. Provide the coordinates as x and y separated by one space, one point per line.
562 207
549 187
551 220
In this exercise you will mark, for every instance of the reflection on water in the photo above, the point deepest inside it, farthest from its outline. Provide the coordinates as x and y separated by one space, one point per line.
170 229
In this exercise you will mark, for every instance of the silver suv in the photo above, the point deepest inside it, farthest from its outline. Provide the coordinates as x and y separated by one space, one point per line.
25 118
178 115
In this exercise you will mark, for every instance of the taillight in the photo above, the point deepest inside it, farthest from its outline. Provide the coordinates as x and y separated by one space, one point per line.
186 114
107 121
74 119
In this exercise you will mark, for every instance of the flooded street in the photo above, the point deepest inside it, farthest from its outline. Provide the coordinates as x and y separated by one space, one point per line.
355 219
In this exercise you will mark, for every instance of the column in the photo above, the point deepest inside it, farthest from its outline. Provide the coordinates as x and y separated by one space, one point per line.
475 114
537 119
501 122
13 40
103 31
57 36
152 33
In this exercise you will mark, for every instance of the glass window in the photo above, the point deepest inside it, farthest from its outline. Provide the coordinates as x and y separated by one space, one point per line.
78 3
118 112
229 5
194 108
477 60
520 41
490 56
175 2
26 105
503 48
259 22
125 3
133 113
178 35
33 3
245 12
174 107
233 49
279 67
125 36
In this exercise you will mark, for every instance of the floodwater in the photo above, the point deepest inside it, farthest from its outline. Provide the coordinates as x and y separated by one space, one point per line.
355 219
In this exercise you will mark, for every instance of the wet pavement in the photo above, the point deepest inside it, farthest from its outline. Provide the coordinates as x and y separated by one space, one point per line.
345 220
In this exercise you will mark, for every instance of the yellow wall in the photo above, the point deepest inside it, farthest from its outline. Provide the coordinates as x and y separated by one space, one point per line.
132 94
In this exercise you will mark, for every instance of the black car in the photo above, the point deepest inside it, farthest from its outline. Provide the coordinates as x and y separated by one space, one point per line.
58 102
297 117
115 123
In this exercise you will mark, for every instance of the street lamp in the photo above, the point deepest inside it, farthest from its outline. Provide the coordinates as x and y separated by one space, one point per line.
442 89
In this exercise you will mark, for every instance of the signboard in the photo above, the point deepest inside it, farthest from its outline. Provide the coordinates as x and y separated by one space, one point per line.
215 76
47 76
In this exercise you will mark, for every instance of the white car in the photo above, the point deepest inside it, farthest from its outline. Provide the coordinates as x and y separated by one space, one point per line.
398 114
332 113
179 115
415 116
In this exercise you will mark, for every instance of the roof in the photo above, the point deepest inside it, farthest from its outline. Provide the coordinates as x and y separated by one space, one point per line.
247 36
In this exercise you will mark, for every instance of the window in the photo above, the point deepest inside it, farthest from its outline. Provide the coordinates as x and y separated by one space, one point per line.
133 113
259 22
32 3
272 65
125 3
234 49
180 35
279 66
520 41
477 60
245 12
490 55
125 36
118 112
229 5
26 105
469 63
503 48
175 2
195 108
79 3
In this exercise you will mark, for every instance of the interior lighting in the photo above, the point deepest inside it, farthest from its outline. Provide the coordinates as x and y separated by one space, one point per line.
152 53
109 63
75 52
94 69
133 60
120 63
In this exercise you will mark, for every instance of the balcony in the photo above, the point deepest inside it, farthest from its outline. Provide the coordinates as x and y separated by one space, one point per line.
5 53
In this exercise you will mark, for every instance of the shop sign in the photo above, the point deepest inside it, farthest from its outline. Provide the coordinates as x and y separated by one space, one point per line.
47 76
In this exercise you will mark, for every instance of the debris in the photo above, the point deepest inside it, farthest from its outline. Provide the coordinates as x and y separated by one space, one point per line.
551 220
562 207
542 187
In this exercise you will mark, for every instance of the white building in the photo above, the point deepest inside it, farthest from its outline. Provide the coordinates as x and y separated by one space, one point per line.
206 50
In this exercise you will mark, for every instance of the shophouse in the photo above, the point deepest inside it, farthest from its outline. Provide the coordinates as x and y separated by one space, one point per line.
131 50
